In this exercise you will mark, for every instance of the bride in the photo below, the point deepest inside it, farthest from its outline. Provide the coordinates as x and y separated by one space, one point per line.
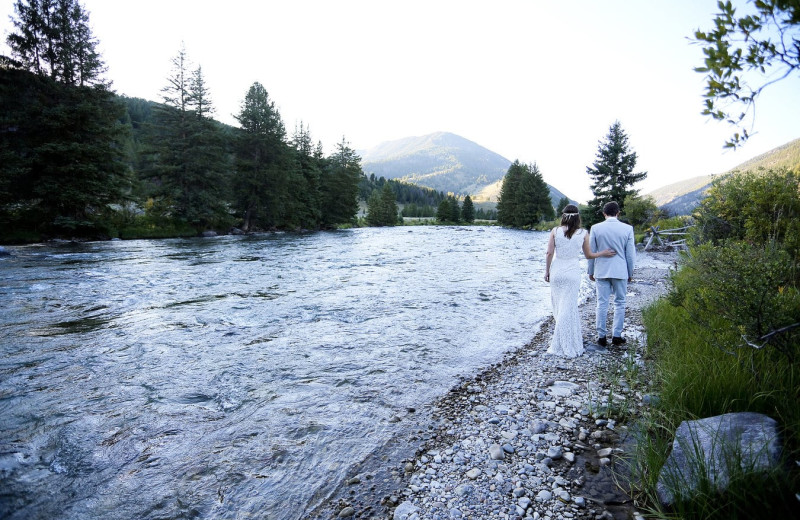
566 242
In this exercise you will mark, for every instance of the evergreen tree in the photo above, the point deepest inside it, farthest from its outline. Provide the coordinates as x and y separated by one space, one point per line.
339 186
382 207
468 210
444 212
261 156
389 205
562 203
507 200
190 165
305 179
533 202
455 210
612 173
53 39
63 162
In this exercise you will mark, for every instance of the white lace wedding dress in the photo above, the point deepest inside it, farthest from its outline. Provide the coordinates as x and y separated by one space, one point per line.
565 284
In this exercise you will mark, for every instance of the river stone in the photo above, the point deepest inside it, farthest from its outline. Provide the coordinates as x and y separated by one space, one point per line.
562 388
473 473
347 512
605 452
463 490
544 496
555 452
496 452
404 511
748 438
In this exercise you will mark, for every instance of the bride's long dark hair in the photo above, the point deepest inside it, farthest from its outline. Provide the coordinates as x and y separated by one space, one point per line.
571 219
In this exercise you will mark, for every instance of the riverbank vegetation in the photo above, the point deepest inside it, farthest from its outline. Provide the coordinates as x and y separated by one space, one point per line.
726 339
79 161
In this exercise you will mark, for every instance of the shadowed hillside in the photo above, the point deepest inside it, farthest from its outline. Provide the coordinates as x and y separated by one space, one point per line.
682 197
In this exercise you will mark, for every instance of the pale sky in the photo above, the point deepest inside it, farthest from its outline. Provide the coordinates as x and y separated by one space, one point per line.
539 81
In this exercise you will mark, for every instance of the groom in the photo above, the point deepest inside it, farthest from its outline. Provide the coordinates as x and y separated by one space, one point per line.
613 273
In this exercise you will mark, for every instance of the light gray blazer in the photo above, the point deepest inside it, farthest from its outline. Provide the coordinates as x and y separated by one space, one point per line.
618 236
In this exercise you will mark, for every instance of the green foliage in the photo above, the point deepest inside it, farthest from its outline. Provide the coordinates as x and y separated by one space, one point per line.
727 336
739 293
188 165
443 212
524 197
339 186
63 158
612 174
382 208
642 211
53 39
762 45
562 203
468 210
695 379
761 207
415 211
260 183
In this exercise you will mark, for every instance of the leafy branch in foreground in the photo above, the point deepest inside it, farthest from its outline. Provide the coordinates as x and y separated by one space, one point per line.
763 46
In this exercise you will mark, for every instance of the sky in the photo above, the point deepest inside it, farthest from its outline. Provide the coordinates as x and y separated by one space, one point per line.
533 80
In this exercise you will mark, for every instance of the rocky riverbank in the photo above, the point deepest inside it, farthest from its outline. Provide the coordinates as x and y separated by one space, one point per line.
534 436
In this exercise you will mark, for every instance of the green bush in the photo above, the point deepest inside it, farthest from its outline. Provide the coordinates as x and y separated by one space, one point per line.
726 338
761 206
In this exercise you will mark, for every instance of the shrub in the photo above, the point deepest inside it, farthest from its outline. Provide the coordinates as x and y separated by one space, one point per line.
761 206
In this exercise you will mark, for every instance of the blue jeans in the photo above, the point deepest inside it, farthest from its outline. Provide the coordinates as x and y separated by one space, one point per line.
605 288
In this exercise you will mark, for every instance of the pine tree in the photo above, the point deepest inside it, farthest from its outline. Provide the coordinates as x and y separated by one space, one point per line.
260 161
455 210
305 180
54 39
382 207
444 212
64 163
190 168
339 186
507 200
468 210
532 198
612 173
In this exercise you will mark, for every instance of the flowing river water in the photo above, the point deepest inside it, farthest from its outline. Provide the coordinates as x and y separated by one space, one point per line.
239 377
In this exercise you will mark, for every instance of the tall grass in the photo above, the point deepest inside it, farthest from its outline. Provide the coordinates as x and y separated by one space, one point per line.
694 378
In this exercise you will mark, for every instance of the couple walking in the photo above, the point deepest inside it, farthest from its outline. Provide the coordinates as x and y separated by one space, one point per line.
610 250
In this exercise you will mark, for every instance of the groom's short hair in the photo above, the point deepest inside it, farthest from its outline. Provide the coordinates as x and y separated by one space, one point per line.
611 209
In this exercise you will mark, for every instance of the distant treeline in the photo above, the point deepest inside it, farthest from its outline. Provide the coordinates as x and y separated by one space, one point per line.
81 161
77 160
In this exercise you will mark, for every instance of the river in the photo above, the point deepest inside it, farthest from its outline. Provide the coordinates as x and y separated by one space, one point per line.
239 377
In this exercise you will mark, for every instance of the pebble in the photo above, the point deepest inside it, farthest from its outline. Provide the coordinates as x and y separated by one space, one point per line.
524 424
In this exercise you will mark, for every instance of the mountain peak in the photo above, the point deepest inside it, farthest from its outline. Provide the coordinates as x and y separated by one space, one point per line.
443 161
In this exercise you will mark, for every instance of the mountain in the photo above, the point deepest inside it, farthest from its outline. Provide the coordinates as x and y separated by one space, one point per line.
682 197
442 161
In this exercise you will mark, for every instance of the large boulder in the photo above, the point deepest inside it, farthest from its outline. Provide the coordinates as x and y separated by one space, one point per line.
712 449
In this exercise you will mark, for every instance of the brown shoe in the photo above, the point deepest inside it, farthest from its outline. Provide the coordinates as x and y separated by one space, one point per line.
618 341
